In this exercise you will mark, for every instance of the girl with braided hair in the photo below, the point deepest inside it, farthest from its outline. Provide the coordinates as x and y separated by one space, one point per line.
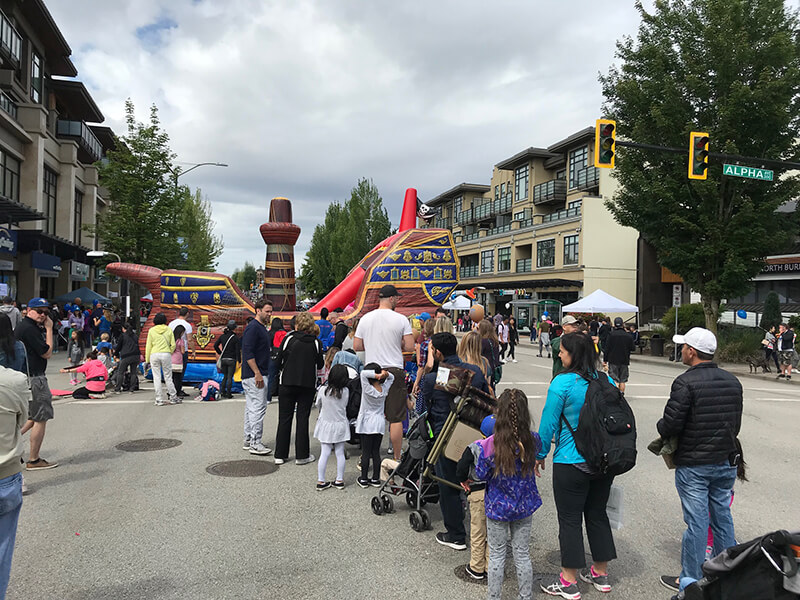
505 461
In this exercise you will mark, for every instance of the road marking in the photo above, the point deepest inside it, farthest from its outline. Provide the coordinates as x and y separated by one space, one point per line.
777 399
237 400
534 397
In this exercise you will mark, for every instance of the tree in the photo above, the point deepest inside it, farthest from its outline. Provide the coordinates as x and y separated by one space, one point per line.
245 276
772 312
140 221
348 233
201 247
730 68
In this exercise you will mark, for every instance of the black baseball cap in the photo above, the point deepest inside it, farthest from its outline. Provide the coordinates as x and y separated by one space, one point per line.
388 291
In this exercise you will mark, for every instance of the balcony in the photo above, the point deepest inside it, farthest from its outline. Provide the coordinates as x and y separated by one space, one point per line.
567 213
90 150
468 237
554 191
524 265
8 105
498 230
469 271
503 204
587 178
442 222
10 40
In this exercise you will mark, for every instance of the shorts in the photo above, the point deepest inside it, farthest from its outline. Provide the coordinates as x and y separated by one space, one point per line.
618 373
786 356
396 408
40 408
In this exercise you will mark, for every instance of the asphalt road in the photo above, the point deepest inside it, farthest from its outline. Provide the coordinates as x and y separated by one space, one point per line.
108 524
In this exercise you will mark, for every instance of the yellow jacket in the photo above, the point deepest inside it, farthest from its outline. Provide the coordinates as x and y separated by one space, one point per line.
159 339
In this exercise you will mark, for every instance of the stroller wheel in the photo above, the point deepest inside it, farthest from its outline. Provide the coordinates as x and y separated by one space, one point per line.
415 519
388 504
377 505
426 519
411 499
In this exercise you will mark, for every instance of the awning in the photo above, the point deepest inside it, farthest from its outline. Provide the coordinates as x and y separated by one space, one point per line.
35 239
16 212
600 302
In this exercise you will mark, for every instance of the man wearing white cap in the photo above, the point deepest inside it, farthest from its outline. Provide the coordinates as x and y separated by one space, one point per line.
704 413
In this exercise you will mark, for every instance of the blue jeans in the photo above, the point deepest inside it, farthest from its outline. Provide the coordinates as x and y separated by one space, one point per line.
10 505
705 493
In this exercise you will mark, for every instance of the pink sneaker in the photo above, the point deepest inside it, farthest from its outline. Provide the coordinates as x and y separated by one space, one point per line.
73 382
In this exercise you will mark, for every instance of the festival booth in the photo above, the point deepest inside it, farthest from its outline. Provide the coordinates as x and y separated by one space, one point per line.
458 303
599 302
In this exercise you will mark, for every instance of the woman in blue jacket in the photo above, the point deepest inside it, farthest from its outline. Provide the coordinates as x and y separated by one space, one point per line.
578 492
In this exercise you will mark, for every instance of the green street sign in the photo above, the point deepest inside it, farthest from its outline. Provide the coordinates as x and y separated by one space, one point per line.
748 172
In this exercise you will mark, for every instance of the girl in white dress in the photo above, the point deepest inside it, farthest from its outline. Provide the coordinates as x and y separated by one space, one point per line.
333 428
371 423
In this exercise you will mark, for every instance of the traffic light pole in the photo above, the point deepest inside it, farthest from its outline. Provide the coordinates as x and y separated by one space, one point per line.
716 155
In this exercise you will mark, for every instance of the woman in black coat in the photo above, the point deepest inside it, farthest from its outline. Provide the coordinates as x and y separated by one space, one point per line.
229 350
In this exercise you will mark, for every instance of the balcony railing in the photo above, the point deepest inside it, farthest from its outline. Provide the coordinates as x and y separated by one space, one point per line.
469 271
524 265
484 211
10 39
8 105
443 222
497 230
554 190
587 178
469 237
567 213
503 204
87 141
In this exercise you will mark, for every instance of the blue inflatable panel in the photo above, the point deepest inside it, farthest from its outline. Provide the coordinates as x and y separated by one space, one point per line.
199 373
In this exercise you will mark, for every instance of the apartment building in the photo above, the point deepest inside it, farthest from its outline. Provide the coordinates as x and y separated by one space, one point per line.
540 231
50 140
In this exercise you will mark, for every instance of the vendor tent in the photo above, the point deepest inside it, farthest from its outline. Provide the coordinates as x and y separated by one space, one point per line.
599 301
86 295
458 303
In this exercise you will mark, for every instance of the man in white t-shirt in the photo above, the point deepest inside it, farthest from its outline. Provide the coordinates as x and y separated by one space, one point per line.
384 335
187 331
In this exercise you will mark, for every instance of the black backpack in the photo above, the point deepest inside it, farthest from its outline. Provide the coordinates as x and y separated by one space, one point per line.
606 432
354 398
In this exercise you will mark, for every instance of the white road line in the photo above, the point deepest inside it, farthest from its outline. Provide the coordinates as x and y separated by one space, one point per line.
777 399
236 400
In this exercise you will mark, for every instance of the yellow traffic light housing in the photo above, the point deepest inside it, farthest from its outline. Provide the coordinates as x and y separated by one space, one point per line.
698 155
605 139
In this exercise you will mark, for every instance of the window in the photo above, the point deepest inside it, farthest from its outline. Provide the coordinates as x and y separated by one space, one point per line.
502 189
76 228
36 78
571 250
546 253
521 183
457 207
497 192
577 162
9 170
504 259
575 204
49 193
561 174
487 261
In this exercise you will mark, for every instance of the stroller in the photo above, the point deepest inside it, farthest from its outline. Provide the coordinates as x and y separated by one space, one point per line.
408 478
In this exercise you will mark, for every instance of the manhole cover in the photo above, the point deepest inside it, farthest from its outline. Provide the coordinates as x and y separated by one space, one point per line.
242 468
148 445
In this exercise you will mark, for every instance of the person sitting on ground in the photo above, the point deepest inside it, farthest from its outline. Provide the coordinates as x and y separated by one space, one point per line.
333 428
104 357
96 377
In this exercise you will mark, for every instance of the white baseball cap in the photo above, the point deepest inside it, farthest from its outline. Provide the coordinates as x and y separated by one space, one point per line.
698 338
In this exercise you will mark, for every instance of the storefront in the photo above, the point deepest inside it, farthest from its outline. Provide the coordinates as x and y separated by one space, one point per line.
8 266
47 268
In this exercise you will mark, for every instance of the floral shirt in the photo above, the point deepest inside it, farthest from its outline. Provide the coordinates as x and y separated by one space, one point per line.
508 498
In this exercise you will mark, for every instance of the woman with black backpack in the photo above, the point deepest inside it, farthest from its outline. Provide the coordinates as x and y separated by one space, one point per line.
229 351
579 492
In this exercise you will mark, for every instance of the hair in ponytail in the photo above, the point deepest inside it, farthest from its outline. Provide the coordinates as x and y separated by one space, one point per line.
512 434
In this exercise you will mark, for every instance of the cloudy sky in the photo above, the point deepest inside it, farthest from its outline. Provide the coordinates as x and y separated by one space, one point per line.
302 98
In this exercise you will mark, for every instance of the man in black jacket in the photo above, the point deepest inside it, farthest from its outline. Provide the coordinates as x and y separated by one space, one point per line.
127 349
704 412
617 353
438 403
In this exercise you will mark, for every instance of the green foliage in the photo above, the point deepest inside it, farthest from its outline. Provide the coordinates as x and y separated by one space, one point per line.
689 315
201 247
730 68
736 343
772 312
794 321
348 233
245 276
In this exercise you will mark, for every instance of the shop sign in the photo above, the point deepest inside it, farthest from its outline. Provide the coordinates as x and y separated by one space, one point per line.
47 264
100 275
8 241
788 267
78 271
505 292
7 265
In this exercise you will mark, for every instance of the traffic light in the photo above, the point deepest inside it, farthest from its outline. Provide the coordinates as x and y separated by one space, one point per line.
698 155
605 137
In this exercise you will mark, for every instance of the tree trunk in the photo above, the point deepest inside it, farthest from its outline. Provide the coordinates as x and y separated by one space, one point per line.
711 310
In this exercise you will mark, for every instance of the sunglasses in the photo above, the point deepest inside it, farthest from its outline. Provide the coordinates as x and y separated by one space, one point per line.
42 311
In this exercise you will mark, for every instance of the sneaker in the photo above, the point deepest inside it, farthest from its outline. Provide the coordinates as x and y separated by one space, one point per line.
474 574
670 582
259 449
361 481
304 461
279 461
442 538
781 376
323 486
556 587
246 445
375 482
339 485
390 451
97 396
788 377
157 403
39 464
600 582
513 360
178 400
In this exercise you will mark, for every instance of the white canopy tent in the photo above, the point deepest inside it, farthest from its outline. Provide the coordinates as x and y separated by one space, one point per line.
599 302
458 303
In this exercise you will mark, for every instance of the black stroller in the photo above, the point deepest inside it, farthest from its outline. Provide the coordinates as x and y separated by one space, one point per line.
407 478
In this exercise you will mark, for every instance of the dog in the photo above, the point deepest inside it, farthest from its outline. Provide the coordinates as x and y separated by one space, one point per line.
756 362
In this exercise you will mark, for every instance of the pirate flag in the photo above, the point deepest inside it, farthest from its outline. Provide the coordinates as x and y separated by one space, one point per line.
424 211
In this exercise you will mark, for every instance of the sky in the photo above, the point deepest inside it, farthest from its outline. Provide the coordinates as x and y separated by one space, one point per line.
302 99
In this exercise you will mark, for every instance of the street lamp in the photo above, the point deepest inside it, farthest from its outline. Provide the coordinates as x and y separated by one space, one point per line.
178 173
124 286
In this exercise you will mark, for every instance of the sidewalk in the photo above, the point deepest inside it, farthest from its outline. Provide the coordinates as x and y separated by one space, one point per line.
738 369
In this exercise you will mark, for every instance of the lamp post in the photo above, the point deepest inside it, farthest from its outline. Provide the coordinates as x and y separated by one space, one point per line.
178 173
124 286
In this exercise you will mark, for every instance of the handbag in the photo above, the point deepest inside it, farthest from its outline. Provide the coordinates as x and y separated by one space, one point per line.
219 358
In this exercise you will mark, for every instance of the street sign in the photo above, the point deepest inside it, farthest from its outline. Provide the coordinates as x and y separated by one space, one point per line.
748 172
676 294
